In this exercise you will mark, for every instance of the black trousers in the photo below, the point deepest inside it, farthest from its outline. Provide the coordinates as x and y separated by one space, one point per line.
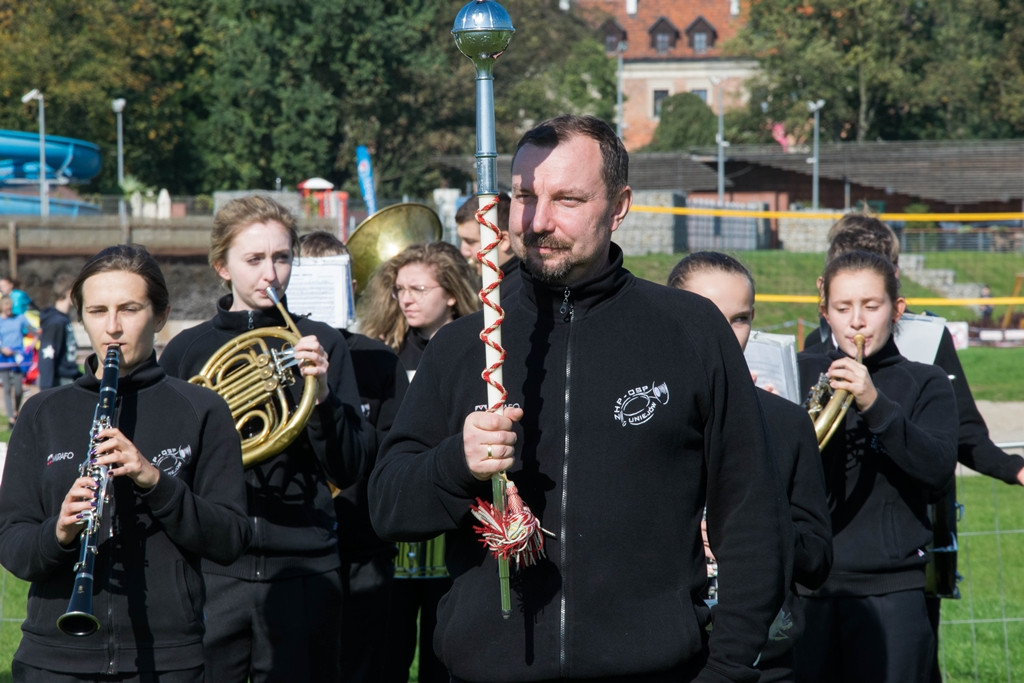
23 673
877 638
366 595
410 597
283 631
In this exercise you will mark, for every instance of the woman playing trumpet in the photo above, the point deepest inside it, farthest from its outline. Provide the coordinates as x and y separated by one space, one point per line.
897 447
174 496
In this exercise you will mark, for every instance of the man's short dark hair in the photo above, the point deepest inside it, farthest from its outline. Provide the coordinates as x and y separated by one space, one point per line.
551 133
62 285
467 211
321 243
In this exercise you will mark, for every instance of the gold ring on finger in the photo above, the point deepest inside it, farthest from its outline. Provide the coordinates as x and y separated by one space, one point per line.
490 452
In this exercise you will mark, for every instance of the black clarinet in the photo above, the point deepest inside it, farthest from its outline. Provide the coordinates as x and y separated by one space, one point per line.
79 620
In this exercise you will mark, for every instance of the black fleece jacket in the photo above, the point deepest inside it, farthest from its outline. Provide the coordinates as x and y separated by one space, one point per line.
799 460
288 497
58 352
382 382
148 591
638 408
881 470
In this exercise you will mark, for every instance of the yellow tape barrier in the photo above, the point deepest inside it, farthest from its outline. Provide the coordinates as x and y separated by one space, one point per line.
911 301
831 215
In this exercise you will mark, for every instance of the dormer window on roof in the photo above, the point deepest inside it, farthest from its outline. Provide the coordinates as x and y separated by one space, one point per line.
664 35
701 35
614 35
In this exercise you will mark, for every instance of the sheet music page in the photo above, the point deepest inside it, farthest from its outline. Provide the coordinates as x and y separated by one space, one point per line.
917 336
773 358
322 288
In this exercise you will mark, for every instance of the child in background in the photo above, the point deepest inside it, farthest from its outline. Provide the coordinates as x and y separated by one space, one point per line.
13 329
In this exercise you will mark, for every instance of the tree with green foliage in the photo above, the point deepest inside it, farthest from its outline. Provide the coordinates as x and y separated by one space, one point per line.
685 121
227 94
81 54
898 70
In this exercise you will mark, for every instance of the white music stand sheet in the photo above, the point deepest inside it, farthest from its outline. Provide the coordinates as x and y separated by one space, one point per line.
773 358
321 287
917 336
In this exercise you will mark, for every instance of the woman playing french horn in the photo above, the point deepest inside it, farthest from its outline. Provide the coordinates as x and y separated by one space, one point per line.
273 614
174 496
896 448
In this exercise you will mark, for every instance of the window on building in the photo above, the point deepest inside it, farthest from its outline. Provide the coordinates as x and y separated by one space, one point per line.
614 36
700 43
664 35
734 7
702 94
701 35
659 97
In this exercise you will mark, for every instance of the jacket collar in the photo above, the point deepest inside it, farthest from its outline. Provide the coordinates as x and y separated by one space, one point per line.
575 300
226 319
146 374
884 357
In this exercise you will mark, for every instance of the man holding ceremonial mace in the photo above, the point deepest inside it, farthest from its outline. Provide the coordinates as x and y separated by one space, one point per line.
613 444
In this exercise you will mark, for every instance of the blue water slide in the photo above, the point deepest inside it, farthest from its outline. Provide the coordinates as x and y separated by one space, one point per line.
67 161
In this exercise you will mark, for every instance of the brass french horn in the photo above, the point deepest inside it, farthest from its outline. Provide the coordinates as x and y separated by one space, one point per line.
387 232
827 418
253 379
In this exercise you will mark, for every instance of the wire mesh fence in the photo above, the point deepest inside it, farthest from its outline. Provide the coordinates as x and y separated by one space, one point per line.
979 633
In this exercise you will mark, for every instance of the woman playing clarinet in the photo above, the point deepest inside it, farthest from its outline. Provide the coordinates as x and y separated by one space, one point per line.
168 458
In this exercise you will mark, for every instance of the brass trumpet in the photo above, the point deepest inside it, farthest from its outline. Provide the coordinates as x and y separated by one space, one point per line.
254 380
827 418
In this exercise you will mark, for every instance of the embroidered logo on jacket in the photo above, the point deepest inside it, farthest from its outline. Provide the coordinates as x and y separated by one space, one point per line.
638 405
57 457
171 460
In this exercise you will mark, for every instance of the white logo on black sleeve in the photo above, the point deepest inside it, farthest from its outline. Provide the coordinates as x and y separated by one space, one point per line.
639 404
171 460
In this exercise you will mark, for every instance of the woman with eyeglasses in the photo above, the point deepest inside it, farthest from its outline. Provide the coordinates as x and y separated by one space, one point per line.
408 299
416 293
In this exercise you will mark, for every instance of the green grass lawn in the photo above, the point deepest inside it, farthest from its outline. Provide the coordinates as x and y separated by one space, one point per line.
980 633
781 272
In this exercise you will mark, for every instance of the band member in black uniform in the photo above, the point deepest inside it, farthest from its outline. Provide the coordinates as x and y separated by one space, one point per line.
273 614
175 496
730 286
367 561
975 447
894 451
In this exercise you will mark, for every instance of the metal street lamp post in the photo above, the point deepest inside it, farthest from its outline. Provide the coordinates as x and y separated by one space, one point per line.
618 92
118 107
720 139
44 197
815 108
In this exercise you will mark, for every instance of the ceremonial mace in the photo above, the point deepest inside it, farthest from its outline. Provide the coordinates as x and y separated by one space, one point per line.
482 31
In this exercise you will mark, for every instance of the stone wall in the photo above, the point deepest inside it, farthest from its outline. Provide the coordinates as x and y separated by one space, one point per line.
804 235
653 233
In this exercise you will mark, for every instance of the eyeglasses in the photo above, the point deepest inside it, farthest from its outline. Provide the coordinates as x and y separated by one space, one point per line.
415 291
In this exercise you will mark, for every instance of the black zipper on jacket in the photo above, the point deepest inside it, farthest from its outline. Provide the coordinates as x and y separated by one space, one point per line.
252 325
566 310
